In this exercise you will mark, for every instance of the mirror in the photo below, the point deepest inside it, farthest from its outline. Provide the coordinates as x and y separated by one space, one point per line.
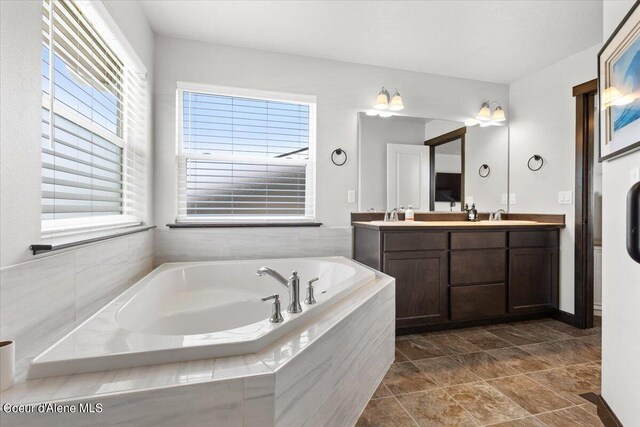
430 164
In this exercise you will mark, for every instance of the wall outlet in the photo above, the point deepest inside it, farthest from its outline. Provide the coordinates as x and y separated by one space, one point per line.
512 198
504 199
565 197
351 196
634 175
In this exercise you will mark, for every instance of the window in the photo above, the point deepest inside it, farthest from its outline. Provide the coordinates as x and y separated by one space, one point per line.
245 156
93 126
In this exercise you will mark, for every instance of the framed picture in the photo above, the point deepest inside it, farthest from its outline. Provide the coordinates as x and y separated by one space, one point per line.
619 88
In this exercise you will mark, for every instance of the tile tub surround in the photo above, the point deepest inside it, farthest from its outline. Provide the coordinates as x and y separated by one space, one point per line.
43 299
217 244
507 381
321 374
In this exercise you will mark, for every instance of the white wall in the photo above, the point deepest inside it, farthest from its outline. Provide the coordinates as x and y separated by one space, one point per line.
542 122
489 145
20 128
375 134
621 276
342 90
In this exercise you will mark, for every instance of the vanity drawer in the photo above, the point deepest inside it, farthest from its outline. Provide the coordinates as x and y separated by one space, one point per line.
479 266
479 240
477 302
533 239
414 241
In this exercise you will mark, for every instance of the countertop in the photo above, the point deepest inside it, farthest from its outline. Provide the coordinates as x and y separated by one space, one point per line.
458 225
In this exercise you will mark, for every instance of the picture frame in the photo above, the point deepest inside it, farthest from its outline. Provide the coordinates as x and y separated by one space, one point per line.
619 89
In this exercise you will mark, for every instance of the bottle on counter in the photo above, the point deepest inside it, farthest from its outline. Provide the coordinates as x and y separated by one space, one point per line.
473 213
409 214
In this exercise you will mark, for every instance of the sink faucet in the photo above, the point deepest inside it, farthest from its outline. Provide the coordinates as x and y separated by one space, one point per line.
391 215
497 215
292 285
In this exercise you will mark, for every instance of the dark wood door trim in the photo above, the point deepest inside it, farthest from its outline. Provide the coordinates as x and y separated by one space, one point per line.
433 143
585 121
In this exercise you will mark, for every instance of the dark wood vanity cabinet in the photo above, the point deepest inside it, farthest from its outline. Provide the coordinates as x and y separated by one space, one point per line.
459 276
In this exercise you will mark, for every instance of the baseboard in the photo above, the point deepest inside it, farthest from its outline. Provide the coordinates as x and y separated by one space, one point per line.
606 415
564 317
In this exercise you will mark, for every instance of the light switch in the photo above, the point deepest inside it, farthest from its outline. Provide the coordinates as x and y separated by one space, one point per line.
512 198
634 175
565 197
351 196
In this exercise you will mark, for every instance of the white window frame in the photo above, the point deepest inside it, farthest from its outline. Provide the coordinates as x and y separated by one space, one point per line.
104 24
182 156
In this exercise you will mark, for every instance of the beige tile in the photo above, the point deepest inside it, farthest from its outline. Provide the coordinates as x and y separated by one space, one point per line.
445 371
519 359
418 348
452 344
406 378
485 403
570 417
555 353
591 408
589 372
515 336
565 384
522 422
387 412
529 394
435 408
484 366
381 391
484 340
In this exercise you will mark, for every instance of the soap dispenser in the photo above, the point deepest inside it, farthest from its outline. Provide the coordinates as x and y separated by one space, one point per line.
409 214
473 213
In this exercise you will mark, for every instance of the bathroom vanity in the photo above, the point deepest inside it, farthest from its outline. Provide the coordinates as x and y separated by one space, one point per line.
451 272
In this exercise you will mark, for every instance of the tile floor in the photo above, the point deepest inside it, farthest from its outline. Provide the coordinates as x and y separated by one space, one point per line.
520 374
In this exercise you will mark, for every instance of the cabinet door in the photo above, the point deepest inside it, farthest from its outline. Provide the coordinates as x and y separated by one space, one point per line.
421 286
533 279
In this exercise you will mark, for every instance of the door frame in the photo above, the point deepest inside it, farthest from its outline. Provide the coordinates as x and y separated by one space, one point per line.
585 95
433 143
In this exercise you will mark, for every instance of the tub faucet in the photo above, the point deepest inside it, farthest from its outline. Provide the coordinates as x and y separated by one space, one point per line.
292 285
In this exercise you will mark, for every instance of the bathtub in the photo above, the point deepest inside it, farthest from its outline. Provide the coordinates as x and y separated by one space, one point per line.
190 311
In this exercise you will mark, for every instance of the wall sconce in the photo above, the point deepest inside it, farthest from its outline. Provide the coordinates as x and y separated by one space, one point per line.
385 101
488 118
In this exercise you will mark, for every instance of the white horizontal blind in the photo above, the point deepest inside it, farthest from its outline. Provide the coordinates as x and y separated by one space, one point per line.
244 159
93 127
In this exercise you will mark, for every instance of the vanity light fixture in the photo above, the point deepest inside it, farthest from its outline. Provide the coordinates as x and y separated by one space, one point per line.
382 101
485 114
612 96
396 102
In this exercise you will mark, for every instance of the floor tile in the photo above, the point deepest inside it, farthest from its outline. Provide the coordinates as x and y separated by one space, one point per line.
570 330
484 366
399 357
452 344
519 359
387 412
406 378
589 372
515 336
436 408
445 371
522 422
541 332
594 340
529 394
582 349
565 384
555 353
590 408
381 391
485 403
484 340
570 417
415 349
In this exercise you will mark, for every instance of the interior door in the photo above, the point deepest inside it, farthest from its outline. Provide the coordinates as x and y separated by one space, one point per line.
408 176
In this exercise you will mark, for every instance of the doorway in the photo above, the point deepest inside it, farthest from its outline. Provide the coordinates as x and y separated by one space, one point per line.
588 213
447 160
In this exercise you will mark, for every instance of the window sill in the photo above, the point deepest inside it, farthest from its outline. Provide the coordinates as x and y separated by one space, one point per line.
242 224
57 243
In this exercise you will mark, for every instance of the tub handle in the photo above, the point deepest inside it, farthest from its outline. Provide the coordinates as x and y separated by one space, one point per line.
276 312
310 298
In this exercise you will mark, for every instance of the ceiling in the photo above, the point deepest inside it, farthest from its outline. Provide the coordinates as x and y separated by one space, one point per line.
497 41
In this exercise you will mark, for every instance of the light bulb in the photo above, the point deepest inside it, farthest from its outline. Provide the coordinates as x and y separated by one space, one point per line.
396 102
484 113
382 101
498 115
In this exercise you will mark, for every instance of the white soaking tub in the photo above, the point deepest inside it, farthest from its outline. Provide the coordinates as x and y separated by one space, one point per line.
191 311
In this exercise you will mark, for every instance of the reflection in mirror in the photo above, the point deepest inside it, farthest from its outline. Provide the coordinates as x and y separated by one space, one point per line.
430 164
